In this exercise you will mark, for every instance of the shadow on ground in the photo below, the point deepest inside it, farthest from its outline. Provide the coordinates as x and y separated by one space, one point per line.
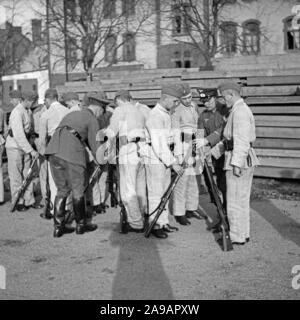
288 228
139 276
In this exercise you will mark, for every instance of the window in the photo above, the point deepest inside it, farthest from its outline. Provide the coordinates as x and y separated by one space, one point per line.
291 37
111 48
181 23
34 87
182 59
10 88
71 9
72 52
251 37
128 47
128 7
109 9
19 87
229 37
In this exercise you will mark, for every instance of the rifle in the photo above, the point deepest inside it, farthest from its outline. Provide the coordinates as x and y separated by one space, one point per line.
21 190
223 225
166 196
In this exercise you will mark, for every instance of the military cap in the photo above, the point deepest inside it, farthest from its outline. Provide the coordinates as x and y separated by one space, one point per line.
15 94
174 90
186 90
51 93
67 96
97 98
29 95
229 85
206 94
123 95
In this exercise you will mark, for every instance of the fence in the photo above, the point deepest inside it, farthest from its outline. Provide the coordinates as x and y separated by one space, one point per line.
273 96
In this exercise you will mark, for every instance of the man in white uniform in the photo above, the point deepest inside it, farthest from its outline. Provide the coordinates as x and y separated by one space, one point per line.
49 121
128 122
240 160
185 199
19 151
160 158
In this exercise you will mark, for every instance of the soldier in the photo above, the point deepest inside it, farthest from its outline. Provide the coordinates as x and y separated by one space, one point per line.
72 101
160 159
68 161
128 122
98 193
49 121
2 146
18 148
42 162
212 121
185 198
240 160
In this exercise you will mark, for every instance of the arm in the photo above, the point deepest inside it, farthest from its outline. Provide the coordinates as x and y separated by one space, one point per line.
19 134
92 132
178 147
215 136
159 142
115 122
42 134
241 137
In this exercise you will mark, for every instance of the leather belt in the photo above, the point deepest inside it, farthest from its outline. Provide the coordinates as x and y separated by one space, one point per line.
228 144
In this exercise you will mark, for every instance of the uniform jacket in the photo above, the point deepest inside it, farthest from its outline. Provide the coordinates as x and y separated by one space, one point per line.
49 121
127 121
21 123
240 127
213 124
66 146
2 127
161 135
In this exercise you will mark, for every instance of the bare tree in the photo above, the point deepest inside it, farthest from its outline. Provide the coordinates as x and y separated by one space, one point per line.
203 23
85 26
14 45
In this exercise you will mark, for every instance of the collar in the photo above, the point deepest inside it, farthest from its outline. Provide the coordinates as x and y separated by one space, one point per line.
162 109
236 104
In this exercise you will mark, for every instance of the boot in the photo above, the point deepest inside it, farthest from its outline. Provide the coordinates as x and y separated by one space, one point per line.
59 216
79 214
82 217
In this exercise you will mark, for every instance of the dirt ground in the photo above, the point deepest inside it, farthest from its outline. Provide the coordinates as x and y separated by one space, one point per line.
188 265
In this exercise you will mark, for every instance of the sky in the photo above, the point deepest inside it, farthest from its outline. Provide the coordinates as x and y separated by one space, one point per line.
20 12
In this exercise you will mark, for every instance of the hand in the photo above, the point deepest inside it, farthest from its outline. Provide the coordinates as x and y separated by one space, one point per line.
237 171
34 154
200 142
178 169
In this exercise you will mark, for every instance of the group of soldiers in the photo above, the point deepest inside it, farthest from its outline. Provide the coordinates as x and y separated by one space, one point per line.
144 147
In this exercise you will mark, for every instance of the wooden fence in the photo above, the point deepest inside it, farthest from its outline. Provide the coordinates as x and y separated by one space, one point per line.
272 95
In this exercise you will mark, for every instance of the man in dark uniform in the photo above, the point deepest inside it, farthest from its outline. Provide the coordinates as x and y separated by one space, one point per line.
212 121
68 162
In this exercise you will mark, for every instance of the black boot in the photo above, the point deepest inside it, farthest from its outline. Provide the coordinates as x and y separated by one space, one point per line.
82 217
79 214
47 213
59 216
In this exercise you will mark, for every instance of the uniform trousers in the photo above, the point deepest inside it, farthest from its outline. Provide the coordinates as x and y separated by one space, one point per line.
185 195
238 204
158 179
98 192
67 177
18 165
1 174
132 184
43 176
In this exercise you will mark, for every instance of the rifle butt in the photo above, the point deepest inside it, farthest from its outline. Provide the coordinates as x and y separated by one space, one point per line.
226 241
123 222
